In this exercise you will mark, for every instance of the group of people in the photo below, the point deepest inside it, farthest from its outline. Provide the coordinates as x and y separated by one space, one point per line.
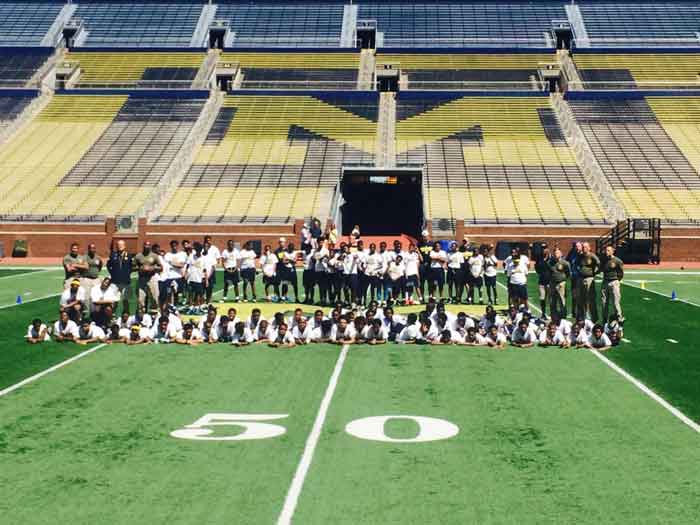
372 325
183 279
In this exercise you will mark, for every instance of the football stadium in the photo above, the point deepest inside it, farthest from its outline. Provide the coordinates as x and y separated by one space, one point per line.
349 261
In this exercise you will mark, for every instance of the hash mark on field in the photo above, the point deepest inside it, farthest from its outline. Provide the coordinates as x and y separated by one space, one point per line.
672 341
290 502
625 340
647 298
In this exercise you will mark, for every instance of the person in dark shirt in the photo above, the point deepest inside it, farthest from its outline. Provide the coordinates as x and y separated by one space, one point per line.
572 258
544 278
613 272
424 248
560 273
588 266
120 266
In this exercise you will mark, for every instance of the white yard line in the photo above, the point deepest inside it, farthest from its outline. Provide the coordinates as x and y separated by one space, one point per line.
290 502
659 272
636 382
641 386
49 370
659 293
28 272
29 301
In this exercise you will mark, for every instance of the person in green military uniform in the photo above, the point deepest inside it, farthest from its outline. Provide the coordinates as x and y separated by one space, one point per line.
588 268
91 276
613 272
147 264
74 265
560 271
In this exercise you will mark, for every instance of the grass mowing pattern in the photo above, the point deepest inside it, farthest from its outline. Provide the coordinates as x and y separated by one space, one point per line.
31 285
686 286
546 436
91 444
11 272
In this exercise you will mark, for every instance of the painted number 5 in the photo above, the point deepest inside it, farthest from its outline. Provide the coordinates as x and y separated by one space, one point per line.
251 424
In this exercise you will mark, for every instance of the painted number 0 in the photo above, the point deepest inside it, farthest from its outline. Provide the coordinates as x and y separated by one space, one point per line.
369 428
251 424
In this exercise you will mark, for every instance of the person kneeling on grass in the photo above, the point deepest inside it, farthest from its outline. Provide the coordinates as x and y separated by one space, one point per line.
242 336
494 338
37 332
283 338
189 335
551 336
89 333
523 335
598 340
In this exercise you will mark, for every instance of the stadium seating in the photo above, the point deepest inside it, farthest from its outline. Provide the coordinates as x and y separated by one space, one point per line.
468 70
26 23
426 24
296 70
11 106
279 24
86 157
17 65
493 160
633 141
118 23
642 23
643 70
271 159
173 69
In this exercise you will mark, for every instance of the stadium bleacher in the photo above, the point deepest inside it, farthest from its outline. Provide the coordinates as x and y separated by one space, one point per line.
87 157
11 106
26 23
493 160
156 69
279 24
296 70
633 141
271 159
118 23
18 65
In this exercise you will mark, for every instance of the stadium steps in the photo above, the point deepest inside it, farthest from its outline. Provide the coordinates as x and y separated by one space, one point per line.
9 127
182 162
367 67
386 131
587 161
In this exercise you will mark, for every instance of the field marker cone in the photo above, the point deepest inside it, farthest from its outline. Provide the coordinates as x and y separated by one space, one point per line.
19 299
643 285
673 295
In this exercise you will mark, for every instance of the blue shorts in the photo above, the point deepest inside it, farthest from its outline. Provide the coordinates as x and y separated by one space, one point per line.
518 291
248 274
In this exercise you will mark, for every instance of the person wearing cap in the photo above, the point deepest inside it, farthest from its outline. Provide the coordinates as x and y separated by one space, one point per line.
73 300
147 264
120 266
74 265
136 334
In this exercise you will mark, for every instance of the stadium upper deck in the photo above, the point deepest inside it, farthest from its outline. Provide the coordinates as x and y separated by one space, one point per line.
329 23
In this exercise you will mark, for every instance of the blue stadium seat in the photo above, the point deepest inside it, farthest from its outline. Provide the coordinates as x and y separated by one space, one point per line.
26 23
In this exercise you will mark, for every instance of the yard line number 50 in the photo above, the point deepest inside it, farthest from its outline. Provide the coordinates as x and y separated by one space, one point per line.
255 426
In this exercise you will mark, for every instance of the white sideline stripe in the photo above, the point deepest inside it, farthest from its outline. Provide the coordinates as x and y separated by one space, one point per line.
641 386
672 341
636 382
28 272
290 502
659 272
49 370
659 293
30 300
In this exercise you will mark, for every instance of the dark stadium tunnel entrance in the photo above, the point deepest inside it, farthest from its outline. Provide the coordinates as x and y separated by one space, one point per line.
382 201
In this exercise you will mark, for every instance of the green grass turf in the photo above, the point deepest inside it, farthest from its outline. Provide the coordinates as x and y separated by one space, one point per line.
30 285
685 284
91 444
11 272
545 437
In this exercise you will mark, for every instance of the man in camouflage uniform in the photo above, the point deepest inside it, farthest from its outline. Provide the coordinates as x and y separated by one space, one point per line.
588 268
560 273
613 272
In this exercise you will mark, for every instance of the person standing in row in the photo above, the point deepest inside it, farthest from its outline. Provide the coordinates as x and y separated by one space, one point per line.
74 265
147 264
588 268
613 272
120 266
560 273
544 279
490 274
91 276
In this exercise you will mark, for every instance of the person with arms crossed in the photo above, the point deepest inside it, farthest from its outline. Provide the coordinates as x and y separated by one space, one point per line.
613 272
74 265
120 266
560 273
588 268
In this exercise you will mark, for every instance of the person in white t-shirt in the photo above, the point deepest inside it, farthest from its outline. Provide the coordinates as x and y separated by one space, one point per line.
343 332
495 338
103 295
301 332
374 270
553 337
135 335
140 317
65 329
164 331
455 277
242 335
598 340
230 259
37 332
375 333
394 277
212 256
247 267
438 260
476 271
189 335
283 337
73 300
176 263
473 338
412 260
490 273
517 268
197 277
523 335
268 265
89 333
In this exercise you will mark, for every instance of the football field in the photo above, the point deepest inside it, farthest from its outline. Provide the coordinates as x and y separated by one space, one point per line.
359 434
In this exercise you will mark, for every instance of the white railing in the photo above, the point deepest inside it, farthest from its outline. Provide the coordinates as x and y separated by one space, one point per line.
477 85
604 85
